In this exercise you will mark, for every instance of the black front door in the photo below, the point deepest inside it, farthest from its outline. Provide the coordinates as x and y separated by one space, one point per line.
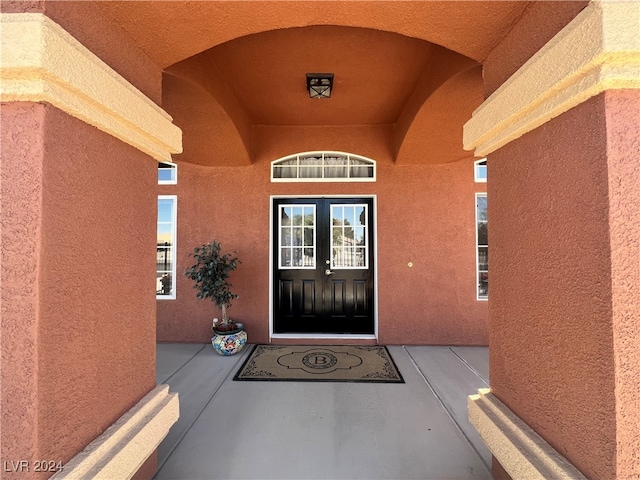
323 265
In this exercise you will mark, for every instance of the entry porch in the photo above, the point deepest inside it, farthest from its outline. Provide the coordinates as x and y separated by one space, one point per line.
249 430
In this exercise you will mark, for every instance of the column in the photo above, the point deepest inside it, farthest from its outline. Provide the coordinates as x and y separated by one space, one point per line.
80 146
562 139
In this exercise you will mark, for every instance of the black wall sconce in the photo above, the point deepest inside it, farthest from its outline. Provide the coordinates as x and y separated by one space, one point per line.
319 85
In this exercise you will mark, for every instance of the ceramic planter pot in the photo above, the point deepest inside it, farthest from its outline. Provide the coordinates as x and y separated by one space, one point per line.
229 344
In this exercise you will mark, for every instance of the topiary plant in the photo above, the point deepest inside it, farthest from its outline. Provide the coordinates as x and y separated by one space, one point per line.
210 274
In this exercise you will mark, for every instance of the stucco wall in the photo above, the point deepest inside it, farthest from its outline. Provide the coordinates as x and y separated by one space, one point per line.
78 344
97 317
22 145
426 215
550 311
623 155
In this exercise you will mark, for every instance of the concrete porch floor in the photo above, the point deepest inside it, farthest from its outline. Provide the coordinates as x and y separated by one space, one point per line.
290 430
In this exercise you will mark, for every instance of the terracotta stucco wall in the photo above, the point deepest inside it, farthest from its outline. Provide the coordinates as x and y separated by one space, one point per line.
550 311
623 162
96 332
78 350
78 216
22 129
426 215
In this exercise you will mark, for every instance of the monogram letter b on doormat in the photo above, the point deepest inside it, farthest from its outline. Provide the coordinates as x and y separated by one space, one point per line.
320 364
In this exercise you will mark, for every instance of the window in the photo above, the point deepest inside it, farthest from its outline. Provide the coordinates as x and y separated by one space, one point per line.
323 167
166 248
166 234
297 236
349 236
167 173
482 247
480 171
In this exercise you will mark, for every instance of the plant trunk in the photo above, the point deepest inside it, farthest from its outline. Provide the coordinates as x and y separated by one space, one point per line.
225 319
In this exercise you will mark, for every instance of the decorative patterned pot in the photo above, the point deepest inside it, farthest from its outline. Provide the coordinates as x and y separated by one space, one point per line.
229 344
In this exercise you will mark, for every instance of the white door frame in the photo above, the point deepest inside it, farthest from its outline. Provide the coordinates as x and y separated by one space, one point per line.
329 336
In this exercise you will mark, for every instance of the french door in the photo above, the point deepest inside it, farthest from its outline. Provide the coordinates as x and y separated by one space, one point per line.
323 265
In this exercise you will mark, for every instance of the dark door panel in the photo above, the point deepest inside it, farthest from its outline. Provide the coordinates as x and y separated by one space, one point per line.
323 266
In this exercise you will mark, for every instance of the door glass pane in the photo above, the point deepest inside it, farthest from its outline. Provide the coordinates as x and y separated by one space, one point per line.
346 236
285 257
308 237
309 257
309 226
361 215
297 236
337 237
296 219
285 216
285 237
349 216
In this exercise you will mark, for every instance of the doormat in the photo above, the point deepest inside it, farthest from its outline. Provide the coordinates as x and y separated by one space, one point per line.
286 363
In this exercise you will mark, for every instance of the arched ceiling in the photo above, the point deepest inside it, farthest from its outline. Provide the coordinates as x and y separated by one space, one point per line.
170 32
375 73
392 62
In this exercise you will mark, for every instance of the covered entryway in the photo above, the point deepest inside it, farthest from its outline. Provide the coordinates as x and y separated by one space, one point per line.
323 265
547 91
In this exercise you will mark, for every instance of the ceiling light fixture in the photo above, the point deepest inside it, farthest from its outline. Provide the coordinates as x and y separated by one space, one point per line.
319 85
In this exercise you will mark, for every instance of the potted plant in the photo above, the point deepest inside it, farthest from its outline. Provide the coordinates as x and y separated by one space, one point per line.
210 274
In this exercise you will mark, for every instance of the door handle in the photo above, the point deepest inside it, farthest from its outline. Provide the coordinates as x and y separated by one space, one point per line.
328 272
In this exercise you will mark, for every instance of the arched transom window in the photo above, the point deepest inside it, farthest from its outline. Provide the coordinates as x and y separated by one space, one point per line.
323 167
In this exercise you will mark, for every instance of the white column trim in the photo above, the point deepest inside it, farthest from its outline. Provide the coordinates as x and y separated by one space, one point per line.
41 62
598 50
520 450
122 449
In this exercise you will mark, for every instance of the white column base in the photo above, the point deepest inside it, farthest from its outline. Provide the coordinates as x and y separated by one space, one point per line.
520 450
122 449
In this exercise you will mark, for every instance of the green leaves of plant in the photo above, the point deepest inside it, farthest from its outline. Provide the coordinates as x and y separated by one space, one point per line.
211 271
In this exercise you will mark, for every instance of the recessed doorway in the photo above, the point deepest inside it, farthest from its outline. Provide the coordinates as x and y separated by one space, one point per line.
323 266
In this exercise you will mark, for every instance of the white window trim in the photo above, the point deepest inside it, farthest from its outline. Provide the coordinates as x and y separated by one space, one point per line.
174 180
315 239
476 165
324 154
477 285
174 235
